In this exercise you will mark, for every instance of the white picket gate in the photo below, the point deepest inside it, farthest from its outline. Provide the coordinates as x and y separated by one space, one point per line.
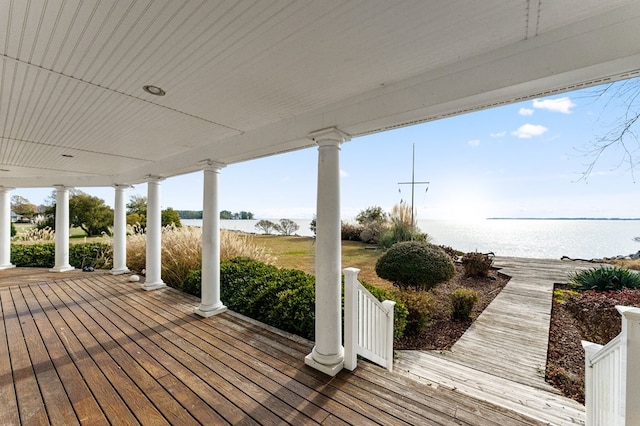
368 324
612 375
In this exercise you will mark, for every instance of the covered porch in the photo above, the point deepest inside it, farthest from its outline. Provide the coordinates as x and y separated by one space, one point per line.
92 348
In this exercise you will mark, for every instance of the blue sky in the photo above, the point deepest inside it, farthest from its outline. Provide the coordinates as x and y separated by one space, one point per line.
520 160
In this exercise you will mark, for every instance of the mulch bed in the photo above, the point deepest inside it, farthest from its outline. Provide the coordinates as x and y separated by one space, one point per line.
444 331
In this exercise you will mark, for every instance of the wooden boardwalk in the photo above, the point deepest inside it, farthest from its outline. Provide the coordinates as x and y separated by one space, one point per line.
96 349
502 356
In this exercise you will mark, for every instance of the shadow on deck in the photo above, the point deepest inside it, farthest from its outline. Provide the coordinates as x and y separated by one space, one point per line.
96 349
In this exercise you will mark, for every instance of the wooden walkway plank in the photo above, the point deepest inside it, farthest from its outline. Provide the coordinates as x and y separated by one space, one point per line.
111 405
57 403
30 404
194 337
137 401
142 370
151 331
9 402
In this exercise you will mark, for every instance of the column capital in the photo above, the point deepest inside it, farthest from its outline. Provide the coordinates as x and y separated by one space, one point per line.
61 187
6 188
153 179
122 186
211 165
329 136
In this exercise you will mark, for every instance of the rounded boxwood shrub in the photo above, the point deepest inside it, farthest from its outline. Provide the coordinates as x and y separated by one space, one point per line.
415 265
420 307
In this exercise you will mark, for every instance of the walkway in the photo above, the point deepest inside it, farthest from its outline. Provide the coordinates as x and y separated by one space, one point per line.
94 348
502 356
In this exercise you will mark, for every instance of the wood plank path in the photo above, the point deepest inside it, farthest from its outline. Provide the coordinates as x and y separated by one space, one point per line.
502 356
96 349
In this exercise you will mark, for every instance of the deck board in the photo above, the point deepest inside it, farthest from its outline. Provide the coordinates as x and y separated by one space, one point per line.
96 349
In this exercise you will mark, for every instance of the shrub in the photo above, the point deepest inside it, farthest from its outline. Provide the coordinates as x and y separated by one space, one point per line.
266 226
462 302
415 265
97 255
477 264
596 314
453 253
287 227
36 235
420 307
283 298
605 279
350 231
13 230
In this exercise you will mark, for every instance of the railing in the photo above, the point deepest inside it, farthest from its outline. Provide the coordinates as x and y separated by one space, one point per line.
368 324
612 376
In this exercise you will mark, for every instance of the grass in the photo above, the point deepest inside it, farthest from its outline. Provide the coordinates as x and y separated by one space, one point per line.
294 252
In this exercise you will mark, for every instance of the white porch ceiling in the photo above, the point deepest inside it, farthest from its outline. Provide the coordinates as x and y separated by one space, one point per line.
246 79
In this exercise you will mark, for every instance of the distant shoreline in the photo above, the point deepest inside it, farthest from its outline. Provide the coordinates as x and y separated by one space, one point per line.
562 218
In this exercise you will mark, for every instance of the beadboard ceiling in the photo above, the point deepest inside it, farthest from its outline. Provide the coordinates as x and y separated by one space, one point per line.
246 79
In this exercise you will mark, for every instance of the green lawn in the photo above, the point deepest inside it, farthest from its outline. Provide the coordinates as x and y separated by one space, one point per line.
299 253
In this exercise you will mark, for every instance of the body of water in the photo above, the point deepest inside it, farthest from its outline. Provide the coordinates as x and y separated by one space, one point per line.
543 239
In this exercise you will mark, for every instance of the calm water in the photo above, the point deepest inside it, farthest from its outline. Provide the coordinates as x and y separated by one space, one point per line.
586 239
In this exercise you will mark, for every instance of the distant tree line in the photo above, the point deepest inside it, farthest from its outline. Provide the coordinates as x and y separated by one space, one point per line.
224 214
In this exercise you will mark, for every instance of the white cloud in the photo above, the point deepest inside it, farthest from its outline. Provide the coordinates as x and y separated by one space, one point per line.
525 111
474 142
527 131
498 134
562 105
343 173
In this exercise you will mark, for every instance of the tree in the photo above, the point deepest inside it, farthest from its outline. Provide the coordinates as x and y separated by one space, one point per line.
371 214
374 222
624 134
137 205
266 226
171 217
89 213
226 215
313 225
287 227
23 207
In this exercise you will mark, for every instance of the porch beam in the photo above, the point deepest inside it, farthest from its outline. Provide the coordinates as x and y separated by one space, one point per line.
328 353
153 264
210 303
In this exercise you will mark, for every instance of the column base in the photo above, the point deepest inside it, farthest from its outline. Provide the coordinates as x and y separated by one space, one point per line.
206 312
120 271
62 268
329 369
153 286
7 266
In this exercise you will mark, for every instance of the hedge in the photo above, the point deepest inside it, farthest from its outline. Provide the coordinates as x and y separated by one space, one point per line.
96 255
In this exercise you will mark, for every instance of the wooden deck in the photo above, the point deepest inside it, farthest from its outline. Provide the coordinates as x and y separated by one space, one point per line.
96 349
502 356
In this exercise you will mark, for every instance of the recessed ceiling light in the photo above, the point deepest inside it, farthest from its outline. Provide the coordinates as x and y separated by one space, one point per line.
67 155
154 90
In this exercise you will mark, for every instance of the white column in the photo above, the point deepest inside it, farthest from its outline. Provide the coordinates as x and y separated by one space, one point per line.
62 230
120 231
210 303
5 228
328 353
154 236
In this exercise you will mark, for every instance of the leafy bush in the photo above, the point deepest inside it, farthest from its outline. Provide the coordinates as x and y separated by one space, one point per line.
96 255
596 315
420 307
13 230
283 298
462 302
350 231
477 264
605 279
374 222
415 265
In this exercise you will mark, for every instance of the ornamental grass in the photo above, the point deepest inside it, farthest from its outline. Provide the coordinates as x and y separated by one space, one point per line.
182 251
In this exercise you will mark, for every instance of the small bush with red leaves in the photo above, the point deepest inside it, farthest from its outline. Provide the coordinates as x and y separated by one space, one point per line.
596 313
